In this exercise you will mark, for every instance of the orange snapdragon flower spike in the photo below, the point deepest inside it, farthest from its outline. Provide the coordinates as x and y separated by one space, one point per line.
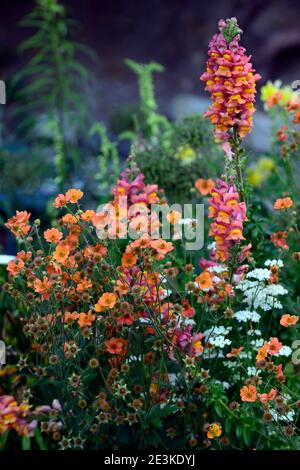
248 393
231 81
204 186
288 320
283 203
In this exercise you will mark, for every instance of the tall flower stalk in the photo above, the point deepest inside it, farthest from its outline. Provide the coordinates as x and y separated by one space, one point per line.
231 80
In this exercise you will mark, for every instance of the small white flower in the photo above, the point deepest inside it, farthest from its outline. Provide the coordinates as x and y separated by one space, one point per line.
274 262
245 315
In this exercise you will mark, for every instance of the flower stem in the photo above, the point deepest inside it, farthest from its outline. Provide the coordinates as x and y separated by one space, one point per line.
235 144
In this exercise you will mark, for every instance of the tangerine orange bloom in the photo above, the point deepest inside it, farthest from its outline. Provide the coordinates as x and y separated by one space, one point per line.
161 246
42 287
288 320
262 352
204 186
14 267
60 201
52 235
87 215
61 253
248 393
129 259
274 346
86 319
235 352
69 219
73 195
173 217
204 280
265 397
283 203
106 301
116 346
279 240
69 317
214 430
19 223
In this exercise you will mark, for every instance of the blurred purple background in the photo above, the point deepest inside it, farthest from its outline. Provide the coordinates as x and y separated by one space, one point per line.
174 33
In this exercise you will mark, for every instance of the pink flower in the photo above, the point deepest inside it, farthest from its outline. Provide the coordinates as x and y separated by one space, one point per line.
231 80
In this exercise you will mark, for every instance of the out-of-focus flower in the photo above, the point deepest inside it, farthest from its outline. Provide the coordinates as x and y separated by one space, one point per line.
283 203
273 94
14 415
231 80
186 154
204 186
258 173
279 239
288 320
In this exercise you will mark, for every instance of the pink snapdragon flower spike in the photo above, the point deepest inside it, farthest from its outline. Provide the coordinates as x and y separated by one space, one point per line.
228 214
231 81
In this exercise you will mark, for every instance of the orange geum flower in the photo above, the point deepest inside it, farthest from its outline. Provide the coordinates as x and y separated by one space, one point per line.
129 259
204 280
60 201
116 346
106 301
86 319
161 246
274 346
204 186
52 235
279 240
70 317
73 195
283 203
265 397
42 287
87 215
61 253
69 219
19 223
262 352
173 217
214 430
84 285
235 352
288 320
14 267
248 393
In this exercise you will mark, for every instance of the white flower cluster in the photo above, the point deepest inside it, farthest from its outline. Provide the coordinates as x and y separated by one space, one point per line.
258 294
274 262
245 315
217 336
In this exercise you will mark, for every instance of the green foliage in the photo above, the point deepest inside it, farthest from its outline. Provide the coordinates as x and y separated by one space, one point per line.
152 122
51 83
108 159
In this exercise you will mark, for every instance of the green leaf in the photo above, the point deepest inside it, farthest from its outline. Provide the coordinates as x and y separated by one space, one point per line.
26 443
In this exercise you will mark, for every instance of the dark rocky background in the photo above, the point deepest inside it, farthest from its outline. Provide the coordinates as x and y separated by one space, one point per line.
174 33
